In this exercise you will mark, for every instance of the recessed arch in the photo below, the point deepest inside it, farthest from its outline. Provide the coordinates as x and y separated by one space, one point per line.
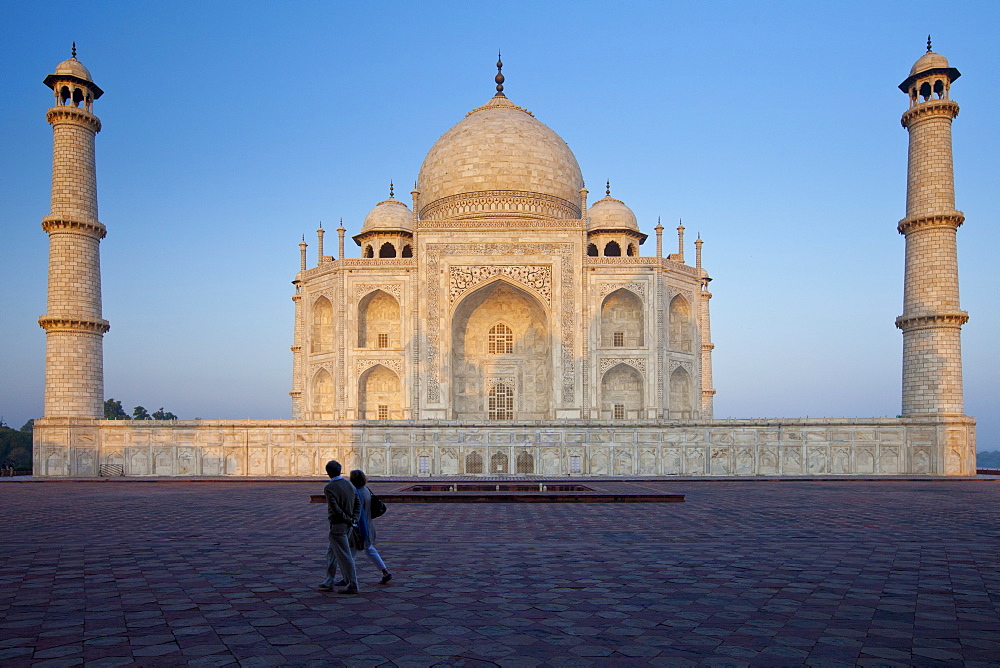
322 326
680 403
521 350
473 463
407 251
379 396
621 393
322 392
612 249
369 252
379 323
681 335
591 250
622 321
631 250
387 250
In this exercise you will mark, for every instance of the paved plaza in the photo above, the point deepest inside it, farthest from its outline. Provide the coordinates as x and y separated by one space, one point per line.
826 573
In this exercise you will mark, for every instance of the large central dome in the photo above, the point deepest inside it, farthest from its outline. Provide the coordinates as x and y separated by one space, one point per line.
499 161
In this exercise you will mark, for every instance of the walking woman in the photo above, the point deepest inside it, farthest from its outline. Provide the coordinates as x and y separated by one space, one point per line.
359 480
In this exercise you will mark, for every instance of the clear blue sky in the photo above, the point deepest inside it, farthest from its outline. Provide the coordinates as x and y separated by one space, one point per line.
231 128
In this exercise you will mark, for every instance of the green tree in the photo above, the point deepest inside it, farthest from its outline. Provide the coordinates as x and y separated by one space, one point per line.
113 410
15 446
29 426
140 413
160 415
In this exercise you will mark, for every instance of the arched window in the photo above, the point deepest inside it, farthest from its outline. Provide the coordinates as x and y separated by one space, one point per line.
612 249
525 463
925 91
938 88
473 463
591 250
631 251
501 339
369 252
407 251
387 250
501 402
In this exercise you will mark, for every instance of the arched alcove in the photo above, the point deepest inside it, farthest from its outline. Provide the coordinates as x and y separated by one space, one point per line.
379 323
680 404
322 393
612 249
322 326
379 396
681 334
622 322
500 335
387 250
621 393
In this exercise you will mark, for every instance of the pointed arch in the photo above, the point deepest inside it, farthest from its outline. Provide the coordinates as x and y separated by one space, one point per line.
681 335
407 251
321 336
612 249
622 320
525 462
621 393
591 250
369 252
680 404
631 250
322 392
379 322
387 250
379 395
500 332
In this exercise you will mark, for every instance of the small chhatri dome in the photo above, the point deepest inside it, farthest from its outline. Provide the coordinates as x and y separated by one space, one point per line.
388 215
929 61
611 214
499 161
74 67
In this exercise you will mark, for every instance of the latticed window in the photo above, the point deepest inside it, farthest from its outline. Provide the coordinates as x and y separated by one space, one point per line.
501 339
383 340
473 463
618 339
619 411
501 402
525 463
383 411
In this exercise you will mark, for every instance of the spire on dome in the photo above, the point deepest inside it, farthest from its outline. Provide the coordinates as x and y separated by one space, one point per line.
74 49
928 42
390 189
499 77
607 188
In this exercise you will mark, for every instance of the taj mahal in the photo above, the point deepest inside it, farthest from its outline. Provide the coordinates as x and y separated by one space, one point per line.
501 320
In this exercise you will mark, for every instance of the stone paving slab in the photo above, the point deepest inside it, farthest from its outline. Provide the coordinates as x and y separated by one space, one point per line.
873 573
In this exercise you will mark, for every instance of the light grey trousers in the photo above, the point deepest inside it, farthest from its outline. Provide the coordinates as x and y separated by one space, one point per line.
339 554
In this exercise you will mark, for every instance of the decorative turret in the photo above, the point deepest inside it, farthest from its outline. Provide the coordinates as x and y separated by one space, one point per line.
388 230
612 229
73 324
932 318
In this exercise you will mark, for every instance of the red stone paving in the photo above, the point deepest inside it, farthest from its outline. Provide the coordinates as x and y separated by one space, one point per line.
825 573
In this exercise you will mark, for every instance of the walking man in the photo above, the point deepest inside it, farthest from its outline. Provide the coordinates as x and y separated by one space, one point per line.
344 512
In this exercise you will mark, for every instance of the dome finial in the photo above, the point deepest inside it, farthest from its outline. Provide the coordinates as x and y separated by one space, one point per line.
928 42
390 189
74 49
499 76
607 187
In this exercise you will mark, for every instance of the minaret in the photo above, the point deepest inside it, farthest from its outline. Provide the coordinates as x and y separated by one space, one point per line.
705 322
932 319
74 328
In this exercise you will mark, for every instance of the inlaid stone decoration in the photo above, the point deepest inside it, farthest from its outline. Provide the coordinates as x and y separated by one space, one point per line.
504 322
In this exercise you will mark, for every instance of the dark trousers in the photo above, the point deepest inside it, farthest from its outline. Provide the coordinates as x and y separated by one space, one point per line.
339 554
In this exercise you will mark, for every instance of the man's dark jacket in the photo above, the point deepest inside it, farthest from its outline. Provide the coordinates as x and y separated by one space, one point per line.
342 507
